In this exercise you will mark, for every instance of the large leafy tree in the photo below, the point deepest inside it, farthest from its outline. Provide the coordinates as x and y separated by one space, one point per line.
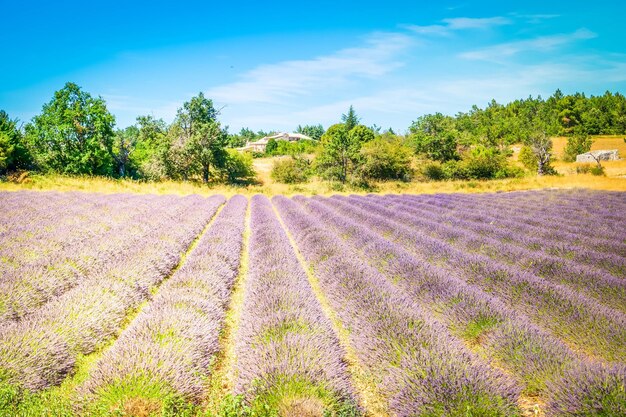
338 155
73 134
206 149
435 136
198 142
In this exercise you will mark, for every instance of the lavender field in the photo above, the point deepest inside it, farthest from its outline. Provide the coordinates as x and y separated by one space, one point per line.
510 304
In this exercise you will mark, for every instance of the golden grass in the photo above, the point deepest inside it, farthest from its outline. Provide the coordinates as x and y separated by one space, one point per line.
612 168
615 181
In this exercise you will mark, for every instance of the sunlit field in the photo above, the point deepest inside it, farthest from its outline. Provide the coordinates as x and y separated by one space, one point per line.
142 305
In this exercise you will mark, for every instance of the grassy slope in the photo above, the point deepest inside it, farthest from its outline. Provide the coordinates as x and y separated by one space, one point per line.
615 180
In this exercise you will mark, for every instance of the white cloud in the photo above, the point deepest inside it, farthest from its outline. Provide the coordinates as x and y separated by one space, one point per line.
459 23
541 44
277 82
451 25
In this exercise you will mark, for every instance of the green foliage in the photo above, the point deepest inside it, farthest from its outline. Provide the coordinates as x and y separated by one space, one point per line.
527 158
285 147
361 134
6 151
140 395
385 159
483 163
477 163
434 171
13 152
350 120
577 144
293 170
271 147
315 132
149 155
73 134
435 136
205 149
338 155
239 168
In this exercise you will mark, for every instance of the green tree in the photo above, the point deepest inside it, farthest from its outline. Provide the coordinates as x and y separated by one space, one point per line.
338 154
195 112
206 149
580 142
434 135
350 120
13 152
124 144
385 159
151 149
313 131
361 134
271 147
73 134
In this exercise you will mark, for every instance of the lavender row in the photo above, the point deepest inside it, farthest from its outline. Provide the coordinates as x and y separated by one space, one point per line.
536 217
474 220
545 222
41 350
173 341
27 287
418 366
598 284
540 362
84 213
471 314
576 319
285 345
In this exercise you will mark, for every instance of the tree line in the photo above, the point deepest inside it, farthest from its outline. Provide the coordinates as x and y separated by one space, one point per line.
76 134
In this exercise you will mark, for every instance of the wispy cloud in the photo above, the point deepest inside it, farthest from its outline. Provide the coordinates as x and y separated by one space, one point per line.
539 44
289 79
451 25
459 23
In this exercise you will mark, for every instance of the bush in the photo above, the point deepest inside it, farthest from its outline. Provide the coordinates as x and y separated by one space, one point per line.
577 144
434 171
239 167
479 163
590 169
528 158
293 170
385 159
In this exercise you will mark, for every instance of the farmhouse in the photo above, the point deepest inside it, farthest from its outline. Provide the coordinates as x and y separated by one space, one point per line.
259 145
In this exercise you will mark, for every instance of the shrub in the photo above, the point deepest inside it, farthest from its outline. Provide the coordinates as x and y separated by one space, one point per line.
434 171
239 167
292 170
577 144
527 158
483 163
597 170
385 159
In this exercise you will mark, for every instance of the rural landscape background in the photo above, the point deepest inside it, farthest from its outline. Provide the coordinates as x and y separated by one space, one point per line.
322 209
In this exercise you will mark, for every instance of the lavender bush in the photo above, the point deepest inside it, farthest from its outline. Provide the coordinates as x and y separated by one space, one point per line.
169 348
288 357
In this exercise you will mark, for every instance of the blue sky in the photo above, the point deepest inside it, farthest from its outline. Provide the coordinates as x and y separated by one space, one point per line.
274 65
